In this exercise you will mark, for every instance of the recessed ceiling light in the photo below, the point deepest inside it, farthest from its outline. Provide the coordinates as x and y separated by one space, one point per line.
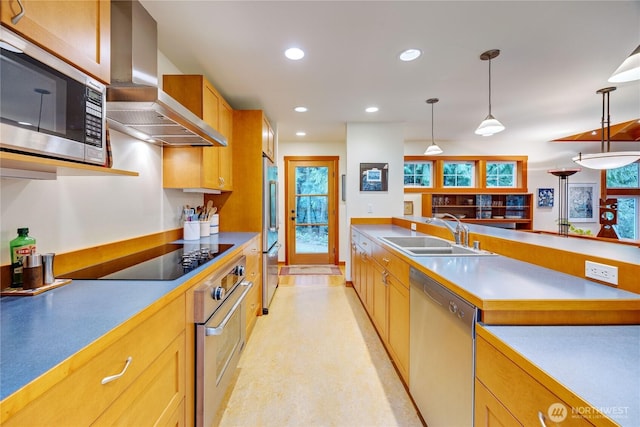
371 109
294 53
301 109
301 133
410 54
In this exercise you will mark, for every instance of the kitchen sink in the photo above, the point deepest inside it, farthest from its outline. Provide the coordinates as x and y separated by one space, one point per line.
431 246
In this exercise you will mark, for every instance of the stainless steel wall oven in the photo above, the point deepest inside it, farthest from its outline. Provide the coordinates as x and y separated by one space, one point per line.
220 323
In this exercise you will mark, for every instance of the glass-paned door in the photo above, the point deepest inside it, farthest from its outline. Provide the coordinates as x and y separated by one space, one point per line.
311 210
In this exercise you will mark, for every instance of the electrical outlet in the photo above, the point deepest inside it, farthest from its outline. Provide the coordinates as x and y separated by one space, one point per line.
602 272
413 226
369 208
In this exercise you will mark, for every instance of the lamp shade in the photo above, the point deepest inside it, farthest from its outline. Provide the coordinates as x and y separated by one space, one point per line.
607 160
432 150
489 126
629 70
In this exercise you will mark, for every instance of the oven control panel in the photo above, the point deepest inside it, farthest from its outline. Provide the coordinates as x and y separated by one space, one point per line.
215 288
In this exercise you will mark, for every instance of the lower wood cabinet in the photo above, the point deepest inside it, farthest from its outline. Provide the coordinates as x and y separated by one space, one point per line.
157 396
253 274
399 325
151 387
507 395
381 281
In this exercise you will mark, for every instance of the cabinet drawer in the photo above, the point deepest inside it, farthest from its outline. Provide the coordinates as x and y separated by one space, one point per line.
521 394
392 263
155 396
80 398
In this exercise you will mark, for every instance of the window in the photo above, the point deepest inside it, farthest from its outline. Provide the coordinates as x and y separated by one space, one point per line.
459 174
624 184
418 174
501 174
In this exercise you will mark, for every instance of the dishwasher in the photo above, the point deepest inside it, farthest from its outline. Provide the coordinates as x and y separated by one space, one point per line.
442 353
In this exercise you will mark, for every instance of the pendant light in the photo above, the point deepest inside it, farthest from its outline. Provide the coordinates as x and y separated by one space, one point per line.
433 149
629 70
490 124
606 159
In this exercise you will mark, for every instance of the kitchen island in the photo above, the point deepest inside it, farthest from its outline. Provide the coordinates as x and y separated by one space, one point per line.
536 302
48 337
592 369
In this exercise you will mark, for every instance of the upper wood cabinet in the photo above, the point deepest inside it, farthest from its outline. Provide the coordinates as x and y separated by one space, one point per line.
78 32
268 140
199 167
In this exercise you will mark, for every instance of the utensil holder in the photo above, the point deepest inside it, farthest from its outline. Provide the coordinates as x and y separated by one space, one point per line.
205 228
191 230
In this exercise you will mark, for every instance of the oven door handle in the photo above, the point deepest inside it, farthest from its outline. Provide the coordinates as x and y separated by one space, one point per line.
209 331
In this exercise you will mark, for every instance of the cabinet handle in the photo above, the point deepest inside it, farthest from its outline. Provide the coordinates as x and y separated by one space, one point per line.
110 378
20 14
385 278
541 419
386 261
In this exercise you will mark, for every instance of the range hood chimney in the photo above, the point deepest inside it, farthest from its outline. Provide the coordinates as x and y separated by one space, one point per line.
135 104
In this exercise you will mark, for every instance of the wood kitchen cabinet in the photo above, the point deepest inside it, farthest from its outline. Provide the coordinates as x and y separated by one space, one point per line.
151 389
381 280
515 209
242 208
253 274
508 395
268 140
78 32
199 167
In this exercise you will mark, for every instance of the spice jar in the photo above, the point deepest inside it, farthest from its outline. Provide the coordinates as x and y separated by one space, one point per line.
32 272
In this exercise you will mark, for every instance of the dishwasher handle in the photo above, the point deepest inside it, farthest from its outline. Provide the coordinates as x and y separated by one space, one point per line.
449 301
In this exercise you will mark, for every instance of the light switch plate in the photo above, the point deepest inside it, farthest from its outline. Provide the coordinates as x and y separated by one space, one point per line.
602 272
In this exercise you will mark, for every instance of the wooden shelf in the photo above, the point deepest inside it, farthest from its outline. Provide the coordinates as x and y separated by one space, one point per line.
32 167
482 208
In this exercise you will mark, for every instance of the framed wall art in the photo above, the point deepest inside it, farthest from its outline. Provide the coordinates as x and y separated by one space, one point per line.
545 197
582 202
374 176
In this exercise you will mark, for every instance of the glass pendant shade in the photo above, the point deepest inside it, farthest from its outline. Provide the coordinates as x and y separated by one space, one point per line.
629 70
432 150
607 160
489 126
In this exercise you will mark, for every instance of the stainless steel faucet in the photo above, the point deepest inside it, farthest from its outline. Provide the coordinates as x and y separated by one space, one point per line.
457 232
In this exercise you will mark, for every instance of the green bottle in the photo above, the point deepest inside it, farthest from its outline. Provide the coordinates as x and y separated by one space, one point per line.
20 246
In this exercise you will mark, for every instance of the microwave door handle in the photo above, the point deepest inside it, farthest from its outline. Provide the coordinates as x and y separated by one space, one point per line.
210 331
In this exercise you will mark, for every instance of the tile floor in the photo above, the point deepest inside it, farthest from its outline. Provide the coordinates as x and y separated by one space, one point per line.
316 360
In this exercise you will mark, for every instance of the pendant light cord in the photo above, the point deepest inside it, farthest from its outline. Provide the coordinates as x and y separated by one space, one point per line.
489 86
432 124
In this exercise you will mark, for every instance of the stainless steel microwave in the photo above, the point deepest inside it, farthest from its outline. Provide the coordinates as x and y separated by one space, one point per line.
48 107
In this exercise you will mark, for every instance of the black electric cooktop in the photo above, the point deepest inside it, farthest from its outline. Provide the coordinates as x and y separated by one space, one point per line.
167 262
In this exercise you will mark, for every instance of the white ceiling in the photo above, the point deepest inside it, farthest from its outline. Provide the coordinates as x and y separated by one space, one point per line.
554 56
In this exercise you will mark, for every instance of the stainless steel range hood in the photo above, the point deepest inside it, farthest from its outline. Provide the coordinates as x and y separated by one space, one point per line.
135 103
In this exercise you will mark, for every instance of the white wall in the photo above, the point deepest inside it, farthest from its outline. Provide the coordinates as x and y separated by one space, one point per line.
75 212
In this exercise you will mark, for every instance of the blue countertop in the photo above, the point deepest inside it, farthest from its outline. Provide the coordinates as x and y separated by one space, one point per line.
600 364
39 332
499 279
